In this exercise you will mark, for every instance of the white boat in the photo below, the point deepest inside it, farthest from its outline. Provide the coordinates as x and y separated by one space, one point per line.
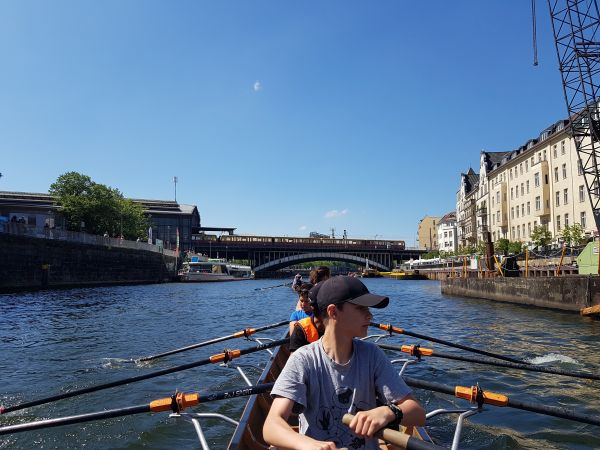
201 268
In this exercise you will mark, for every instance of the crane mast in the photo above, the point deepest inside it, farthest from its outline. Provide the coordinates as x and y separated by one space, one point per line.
576 28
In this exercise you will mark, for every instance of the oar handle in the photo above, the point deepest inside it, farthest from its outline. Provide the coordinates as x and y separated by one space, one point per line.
397 438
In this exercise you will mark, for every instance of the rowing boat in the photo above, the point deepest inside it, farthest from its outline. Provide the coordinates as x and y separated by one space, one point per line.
248 434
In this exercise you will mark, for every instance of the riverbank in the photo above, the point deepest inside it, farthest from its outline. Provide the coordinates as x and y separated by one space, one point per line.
31 263
569 293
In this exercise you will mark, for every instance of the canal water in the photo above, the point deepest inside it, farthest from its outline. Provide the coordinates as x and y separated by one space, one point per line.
58 341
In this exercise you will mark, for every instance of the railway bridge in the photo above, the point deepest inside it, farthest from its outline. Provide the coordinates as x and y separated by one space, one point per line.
271 253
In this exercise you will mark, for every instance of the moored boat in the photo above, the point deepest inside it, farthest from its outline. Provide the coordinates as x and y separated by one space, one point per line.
203 269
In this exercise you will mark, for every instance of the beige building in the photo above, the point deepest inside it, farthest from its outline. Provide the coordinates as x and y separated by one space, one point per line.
427 233
539 183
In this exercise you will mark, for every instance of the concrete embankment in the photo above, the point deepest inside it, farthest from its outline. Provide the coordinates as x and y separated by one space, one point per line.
572 292
28 263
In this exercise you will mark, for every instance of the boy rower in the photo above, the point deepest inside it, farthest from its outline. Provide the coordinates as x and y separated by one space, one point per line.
338 374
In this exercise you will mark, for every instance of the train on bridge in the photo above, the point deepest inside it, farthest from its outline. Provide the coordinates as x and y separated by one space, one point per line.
283 240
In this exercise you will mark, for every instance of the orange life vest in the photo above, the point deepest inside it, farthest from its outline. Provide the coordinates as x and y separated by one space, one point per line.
308 327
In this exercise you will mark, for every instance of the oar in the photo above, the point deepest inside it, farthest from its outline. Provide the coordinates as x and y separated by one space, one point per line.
220 357
272 287
397 438
244 333
176 403
475 395
397 330
418 351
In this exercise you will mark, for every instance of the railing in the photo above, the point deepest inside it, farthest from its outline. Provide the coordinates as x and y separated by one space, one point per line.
21 229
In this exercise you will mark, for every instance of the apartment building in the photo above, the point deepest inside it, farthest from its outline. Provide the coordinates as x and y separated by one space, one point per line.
540 183
427 233
446 231
466 206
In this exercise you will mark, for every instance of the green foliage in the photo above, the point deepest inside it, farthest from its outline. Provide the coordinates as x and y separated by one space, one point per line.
573 235
100 208
541 236
501 246
431 254
515 247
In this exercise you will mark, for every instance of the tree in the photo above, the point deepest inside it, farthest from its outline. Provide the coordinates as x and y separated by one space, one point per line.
502 246
541 236
97 208
515 247
573 235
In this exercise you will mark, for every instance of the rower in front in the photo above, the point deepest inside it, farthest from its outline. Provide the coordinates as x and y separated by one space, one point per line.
339 374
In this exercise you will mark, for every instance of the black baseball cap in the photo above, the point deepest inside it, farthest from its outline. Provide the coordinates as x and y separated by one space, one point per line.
341 289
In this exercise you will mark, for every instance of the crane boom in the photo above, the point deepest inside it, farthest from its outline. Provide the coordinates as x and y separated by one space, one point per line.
576 28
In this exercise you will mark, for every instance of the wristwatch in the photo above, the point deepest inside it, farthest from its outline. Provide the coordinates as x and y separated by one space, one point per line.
398 415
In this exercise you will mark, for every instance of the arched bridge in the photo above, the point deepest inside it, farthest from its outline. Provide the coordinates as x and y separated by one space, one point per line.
270 253
321 256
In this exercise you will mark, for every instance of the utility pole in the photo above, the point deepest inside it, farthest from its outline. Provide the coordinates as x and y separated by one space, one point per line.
175 182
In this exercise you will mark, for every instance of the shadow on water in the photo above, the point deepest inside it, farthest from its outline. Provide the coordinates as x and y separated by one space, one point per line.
57 341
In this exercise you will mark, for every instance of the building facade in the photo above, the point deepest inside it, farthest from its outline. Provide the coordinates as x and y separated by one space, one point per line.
540 183
427 233
447 234
466 207
166 217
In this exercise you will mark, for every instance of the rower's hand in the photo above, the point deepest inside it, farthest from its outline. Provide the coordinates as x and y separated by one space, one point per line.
318 445
366 423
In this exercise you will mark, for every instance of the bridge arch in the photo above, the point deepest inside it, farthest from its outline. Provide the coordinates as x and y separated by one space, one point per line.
280 263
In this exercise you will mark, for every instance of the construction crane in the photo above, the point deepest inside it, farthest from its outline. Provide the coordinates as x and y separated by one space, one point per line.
576 28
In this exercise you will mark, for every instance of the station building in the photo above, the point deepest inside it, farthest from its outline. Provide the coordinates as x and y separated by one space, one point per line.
166 216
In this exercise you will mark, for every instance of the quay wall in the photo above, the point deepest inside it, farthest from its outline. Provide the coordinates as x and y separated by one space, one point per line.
29 263
571 292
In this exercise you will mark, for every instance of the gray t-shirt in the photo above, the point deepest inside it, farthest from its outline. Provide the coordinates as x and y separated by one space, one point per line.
327 390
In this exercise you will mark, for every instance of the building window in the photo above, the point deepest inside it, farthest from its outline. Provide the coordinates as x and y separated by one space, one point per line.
554 150
498 216
564 171
527 184
528 208
538 203
512 212
536 179
556 174
521 168
493 219
518 231
517 192
511 193
510 174
566 220
522 209
498 197
582 219
517 211
529 229
566 196
562 147
557 202
557 223
579 167
512 232
581 194
526 166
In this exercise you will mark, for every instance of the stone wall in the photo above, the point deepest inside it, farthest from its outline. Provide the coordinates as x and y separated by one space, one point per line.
28 263
571 293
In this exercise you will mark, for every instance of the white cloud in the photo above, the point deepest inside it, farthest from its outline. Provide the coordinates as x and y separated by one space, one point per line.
335 213
302 228
257 86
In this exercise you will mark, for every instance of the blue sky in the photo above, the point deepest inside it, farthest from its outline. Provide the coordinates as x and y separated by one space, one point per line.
277 117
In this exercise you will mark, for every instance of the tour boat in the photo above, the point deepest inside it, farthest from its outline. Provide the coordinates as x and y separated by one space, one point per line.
201 268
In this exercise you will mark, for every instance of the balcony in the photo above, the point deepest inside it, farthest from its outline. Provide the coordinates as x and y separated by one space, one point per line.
482 212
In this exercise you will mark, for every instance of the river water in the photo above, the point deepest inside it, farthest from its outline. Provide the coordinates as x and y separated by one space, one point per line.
57 341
